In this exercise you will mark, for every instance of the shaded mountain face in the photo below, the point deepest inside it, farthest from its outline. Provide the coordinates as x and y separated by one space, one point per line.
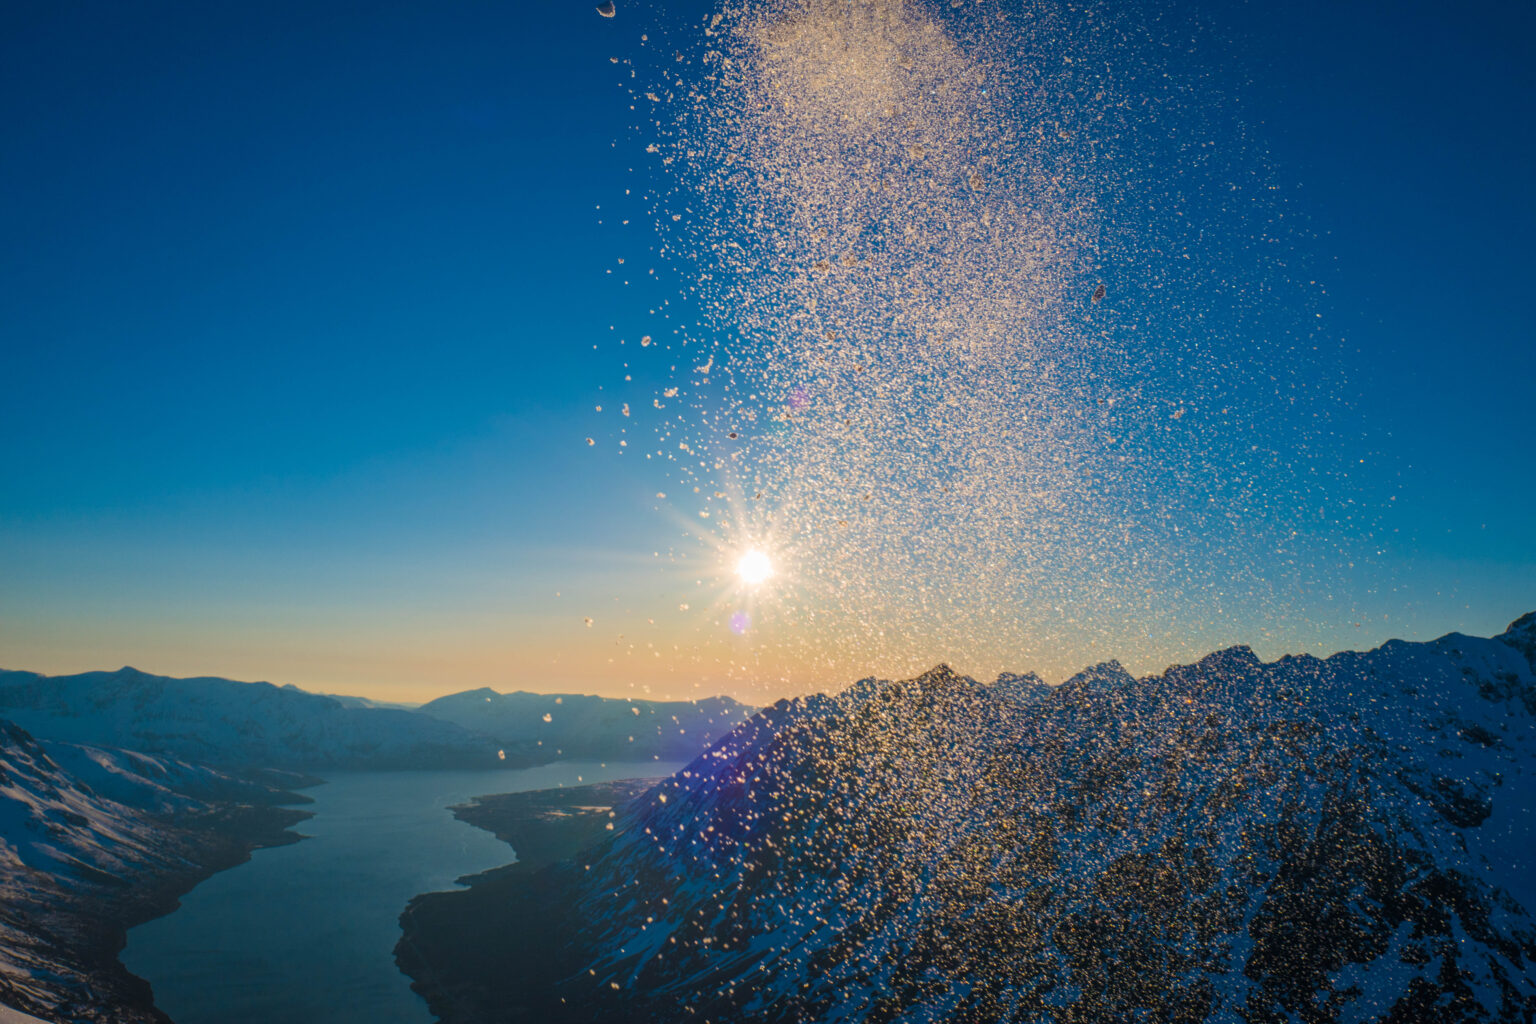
1307 840
227 723
568 725
94 841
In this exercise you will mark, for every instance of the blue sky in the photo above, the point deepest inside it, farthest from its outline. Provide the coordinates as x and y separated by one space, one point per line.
299 310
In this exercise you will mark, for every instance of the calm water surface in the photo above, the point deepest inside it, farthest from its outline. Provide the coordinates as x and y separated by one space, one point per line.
307 932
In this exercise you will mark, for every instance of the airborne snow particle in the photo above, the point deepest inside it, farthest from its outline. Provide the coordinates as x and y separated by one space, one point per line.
889 224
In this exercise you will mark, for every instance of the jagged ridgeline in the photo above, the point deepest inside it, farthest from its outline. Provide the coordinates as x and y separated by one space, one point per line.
1304 840
990 312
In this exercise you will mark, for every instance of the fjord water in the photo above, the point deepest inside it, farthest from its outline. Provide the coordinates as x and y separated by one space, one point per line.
306 932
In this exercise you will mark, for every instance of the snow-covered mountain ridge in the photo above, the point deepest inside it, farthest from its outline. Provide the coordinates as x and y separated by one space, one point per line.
234 724
1346 839
94 841
222 722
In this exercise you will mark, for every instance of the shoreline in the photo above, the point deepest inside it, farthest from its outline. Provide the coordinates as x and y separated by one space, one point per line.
494 950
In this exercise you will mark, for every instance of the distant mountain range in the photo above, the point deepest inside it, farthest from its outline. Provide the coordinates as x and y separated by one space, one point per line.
359 702
592 727
94 841
1347 839
221 722
233 724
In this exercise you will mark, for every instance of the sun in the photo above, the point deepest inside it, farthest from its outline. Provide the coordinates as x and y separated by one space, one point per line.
754 567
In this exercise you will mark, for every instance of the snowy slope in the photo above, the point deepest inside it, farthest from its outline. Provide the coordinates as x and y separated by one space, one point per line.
221 722
1308 840
9 1016
584 726
93 841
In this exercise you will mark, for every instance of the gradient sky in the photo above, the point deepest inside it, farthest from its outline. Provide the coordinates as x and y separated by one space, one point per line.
298 306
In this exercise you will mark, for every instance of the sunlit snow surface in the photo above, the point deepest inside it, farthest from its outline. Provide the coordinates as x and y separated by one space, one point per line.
886 362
